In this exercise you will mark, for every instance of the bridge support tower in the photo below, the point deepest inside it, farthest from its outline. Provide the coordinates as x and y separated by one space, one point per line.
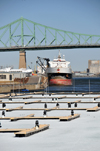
22 59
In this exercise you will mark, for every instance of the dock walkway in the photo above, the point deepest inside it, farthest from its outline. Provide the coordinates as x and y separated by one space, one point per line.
32 117
25 132
49 109
32 131
94 109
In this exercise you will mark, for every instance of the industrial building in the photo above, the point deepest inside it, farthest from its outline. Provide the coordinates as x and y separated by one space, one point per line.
94 66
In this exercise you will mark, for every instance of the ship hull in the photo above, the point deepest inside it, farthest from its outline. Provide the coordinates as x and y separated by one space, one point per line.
61 82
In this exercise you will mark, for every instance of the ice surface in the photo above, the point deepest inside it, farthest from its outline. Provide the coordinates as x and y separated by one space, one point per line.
81 134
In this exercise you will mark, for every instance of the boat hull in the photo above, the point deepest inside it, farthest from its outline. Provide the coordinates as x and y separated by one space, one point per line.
60 82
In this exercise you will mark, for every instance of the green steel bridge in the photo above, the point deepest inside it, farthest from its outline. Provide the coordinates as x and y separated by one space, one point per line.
24 34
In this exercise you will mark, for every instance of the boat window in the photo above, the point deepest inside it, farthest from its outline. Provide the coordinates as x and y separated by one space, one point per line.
2 76
10 77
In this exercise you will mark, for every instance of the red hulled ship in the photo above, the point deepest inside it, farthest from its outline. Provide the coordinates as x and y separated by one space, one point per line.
59 72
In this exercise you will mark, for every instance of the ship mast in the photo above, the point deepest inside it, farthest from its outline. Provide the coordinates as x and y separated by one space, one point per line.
59 55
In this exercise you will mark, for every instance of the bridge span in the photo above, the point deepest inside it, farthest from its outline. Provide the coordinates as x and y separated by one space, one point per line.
24 35
34 48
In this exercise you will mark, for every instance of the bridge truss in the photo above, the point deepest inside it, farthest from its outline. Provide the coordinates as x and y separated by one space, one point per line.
28 35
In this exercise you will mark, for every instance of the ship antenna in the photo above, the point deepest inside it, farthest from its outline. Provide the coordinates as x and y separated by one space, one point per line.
63 56
59 56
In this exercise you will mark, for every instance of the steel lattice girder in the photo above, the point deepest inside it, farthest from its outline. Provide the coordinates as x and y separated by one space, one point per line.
27 34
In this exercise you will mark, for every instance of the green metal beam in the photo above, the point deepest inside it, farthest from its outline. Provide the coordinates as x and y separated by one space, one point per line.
10 34
24 32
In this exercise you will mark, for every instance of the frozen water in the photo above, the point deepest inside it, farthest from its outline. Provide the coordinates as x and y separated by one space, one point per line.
81 134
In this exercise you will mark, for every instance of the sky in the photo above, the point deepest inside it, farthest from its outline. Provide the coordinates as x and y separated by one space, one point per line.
79 16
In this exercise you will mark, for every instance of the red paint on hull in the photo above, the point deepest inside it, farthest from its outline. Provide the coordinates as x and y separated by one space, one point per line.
60 82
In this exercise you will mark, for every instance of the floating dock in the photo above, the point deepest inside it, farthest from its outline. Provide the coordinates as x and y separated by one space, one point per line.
40 101
53 97
25 132
21 118
54 100
31 117
17 108
94 109
7 130
32 131
47 109
69 118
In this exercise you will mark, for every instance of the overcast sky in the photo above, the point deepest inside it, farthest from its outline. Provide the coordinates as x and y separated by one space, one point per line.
79 16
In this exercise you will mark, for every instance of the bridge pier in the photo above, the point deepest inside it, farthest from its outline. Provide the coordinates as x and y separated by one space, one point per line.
22 59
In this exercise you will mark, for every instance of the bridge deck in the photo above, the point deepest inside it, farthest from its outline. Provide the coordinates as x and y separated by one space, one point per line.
44 47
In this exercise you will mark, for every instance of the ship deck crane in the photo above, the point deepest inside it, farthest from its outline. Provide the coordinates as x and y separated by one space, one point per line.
40 62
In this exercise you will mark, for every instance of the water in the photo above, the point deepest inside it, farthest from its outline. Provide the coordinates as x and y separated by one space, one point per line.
81 134
86 84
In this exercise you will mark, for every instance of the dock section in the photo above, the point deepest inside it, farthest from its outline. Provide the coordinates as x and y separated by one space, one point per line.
47 109
69 118
54 108
9 110
16 118
52 102
38 101
25 132
94 109
28 132
61 97
98 97
11 130
32 117
21 118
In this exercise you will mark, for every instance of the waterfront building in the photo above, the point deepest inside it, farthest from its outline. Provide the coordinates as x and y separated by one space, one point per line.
94 66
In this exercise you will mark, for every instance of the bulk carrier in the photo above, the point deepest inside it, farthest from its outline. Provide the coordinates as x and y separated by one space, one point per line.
59 72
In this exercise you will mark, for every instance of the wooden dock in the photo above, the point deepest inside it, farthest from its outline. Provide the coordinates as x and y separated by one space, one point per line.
53 97
94 109
61 97
50 102
32 117
96 97
38 101
28 132
7 130
21 118
54 108
69 118
47 109
12 109
25 132
38 109
50 109
16 118
77 101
